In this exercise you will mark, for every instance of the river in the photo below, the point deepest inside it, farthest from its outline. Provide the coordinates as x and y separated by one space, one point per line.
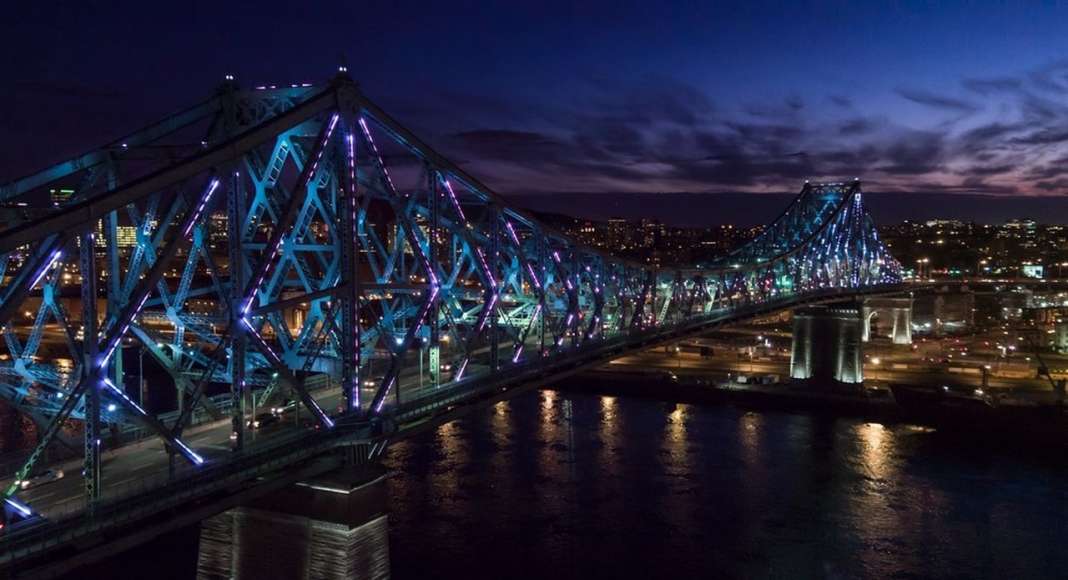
563 485
579 486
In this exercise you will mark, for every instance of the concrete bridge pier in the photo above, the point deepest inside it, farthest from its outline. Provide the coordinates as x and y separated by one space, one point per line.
332 526
827 345
890 314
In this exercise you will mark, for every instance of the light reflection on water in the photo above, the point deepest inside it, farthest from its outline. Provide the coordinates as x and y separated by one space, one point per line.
563 485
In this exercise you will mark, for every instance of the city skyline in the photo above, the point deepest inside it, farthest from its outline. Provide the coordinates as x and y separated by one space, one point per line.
726 99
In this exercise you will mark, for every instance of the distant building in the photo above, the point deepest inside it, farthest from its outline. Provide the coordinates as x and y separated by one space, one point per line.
1060 336
60 196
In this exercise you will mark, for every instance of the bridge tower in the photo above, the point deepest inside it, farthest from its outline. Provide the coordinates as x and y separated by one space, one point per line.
827 345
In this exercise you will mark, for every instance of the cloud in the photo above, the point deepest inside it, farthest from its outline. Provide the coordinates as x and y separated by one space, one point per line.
985 135
1052 77
841 101
1007 135
507 144
1056 185
937 101
857 126
915 153
992 85
1044 136
986 170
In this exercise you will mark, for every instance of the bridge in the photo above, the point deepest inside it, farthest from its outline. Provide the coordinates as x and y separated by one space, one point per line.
296 243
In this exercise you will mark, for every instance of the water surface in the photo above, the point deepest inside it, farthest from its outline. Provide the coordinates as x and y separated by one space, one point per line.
564 485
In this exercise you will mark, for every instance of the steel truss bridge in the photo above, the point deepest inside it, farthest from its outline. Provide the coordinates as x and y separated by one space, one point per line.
298 243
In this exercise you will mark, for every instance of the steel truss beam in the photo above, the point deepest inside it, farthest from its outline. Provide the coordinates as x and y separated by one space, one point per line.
337 245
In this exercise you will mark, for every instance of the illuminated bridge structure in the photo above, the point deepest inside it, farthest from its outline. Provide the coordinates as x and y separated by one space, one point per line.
297 243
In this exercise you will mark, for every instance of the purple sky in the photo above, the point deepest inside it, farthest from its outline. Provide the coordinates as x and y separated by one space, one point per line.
611 97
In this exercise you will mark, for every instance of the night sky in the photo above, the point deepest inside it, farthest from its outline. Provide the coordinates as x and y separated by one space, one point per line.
542 99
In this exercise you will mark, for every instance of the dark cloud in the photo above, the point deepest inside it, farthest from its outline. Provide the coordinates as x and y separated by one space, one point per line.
654 100
844 102
937 101
858 126
1054 186
1049 170
740 169
986 170
614 136
916 153
1052 77
985 135
505 144
992 85
1036 109
668 136
1044 136
773 139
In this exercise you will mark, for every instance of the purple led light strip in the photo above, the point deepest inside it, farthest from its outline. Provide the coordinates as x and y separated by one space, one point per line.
200 208
274 356
389 387
486 313
48 266
185 448
485 266
534 277
455 201
463 367
352 209
374 148
270 352
511 231
117 338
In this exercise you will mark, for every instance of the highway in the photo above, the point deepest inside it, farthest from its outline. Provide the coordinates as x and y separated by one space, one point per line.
723 367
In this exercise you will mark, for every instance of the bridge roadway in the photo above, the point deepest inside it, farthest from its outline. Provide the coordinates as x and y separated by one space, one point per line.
146 508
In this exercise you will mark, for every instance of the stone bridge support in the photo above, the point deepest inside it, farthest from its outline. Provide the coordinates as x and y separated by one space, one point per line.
334 526
827 345
892 316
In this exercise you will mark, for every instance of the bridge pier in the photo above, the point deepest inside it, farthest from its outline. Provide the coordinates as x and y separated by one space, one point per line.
827 345
332 526
898 317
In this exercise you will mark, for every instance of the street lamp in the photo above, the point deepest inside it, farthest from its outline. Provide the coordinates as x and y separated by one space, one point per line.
923 266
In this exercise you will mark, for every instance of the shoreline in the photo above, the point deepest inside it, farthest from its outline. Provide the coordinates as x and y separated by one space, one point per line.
660 385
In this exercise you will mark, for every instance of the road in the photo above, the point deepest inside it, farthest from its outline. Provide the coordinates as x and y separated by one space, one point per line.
144 464
722 366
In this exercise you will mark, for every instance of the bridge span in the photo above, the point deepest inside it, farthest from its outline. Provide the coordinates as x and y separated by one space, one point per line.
296 243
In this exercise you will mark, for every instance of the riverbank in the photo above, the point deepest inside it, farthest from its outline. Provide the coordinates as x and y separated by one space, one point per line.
872 404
